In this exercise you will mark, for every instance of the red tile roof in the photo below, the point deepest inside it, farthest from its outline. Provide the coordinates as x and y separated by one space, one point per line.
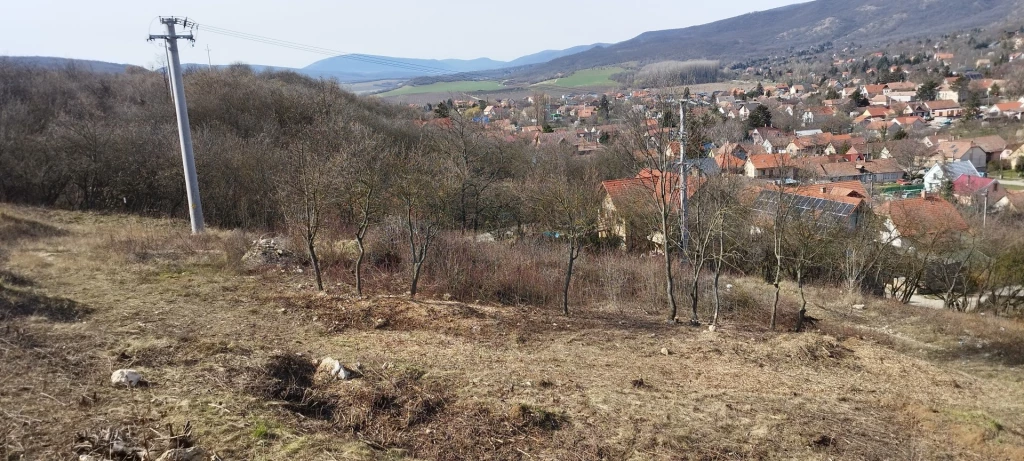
923 216
765 161
969 184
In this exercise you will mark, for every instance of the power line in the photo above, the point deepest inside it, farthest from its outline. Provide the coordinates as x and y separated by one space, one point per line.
195 205
429 70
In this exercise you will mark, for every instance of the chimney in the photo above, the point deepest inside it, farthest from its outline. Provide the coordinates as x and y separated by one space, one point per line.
823 190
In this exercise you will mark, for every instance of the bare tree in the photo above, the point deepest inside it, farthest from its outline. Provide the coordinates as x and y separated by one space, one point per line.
564 197
420 193
307 189
309 181
647 148
366 176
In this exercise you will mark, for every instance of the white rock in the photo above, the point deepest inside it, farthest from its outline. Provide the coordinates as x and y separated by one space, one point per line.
125 377
665 351
712 328
859 306
334 369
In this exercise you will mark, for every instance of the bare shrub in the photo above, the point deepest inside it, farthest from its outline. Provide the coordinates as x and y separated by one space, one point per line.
235 244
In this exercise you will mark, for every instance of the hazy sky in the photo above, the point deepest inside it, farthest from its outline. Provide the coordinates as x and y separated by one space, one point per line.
115 30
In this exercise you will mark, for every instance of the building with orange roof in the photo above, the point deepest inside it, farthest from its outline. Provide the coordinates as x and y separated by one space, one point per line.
770 166
921 220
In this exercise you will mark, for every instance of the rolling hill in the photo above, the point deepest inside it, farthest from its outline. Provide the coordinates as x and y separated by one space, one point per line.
374 67
52 62
791 27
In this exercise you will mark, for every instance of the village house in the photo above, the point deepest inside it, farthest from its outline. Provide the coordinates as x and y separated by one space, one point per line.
970 190
910 123
1006 109
759 135
769 166
1015 157
824 204
626 199
881 171
1012 202
968 151
993 145
916 110
940 173
817 113
944 108
918 220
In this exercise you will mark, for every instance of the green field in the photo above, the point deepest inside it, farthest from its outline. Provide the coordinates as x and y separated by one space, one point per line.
445 87
587 78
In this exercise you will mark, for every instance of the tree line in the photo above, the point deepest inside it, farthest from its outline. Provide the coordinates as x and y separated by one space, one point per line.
415 194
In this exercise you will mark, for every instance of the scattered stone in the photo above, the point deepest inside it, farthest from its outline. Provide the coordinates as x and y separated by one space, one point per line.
859 306
335 369
665 351
264 252
124 377
183 454
713 328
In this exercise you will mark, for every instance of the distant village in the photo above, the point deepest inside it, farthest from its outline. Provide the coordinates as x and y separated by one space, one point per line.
860 135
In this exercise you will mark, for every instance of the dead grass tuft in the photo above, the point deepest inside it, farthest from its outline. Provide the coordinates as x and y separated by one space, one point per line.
288 377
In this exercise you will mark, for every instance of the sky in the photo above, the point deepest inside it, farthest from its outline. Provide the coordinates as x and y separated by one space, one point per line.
116 30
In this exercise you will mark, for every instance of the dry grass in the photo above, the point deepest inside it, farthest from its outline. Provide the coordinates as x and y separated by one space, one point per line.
447 379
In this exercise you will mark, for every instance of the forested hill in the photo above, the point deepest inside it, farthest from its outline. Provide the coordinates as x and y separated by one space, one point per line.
797 26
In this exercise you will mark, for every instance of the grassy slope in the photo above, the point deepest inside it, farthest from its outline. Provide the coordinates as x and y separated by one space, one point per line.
445 87
86 294
598 77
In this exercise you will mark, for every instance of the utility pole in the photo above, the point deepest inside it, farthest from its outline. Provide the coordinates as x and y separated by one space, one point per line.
684 199
984 211
209 59
195 206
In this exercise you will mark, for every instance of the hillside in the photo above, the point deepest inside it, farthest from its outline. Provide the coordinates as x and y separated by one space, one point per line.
373 67
229 353
57 63
792 27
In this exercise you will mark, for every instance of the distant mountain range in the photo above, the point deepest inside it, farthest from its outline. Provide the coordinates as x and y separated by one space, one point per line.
372 67
351 68
798 26
757 34
51 62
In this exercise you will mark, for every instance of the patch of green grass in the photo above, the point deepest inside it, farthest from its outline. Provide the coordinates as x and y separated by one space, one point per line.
587 78
261 431
446 87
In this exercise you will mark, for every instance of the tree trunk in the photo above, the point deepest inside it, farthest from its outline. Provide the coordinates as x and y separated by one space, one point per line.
359 266
778 288
718 301
803 301
669 282
415 278
573 253
694 295
316 264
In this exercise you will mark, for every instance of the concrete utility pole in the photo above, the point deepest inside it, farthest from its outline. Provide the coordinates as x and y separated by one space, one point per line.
195 206
684 199
209 58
